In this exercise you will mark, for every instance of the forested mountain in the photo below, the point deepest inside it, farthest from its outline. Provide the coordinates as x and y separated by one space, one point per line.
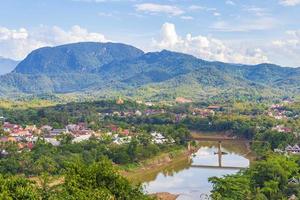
111 69
79 57
7 65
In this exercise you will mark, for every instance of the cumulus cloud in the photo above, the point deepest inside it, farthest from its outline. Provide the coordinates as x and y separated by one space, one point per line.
288 48
289 2
159 8
206 47
17 44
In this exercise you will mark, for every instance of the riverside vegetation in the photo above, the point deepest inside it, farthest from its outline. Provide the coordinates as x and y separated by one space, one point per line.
89 169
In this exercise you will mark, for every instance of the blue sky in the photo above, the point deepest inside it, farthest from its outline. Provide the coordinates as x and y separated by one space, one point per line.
236 31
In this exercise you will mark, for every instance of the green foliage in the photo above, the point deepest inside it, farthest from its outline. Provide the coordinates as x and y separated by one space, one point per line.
16 188
266 179
97 181
232 187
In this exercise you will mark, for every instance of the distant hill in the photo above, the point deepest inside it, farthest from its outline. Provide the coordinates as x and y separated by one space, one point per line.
80 57
111 69
7 65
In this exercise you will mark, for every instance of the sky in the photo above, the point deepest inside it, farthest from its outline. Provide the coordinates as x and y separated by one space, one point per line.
234 31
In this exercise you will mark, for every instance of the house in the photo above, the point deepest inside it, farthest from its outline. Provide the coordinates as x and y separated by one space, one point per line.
120 101
20 133
125 132
81 138
7 139
294 181
52 141
203 112
149 104
282 129
113 128
31 128
8 127
138 113
293 197
46 129
293 149
158 138
78 129
56 132
214 107
122 140
183 100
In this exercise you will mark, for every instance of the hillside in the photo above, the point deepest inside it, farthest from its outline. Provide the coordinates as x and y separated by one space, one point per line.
110 69
7 65
79 57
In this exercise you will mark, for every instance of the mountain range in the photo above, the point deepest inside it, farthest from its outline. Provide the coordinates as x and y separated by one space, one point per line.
114 69
7 65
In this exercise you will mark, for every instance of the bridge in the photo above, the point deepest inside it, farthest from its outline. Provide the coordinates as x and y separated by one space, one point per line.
218 167
215 138
220 153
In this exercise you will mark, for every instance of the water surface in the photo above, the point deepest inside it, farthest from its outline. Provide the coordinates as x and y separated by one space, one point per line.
190 182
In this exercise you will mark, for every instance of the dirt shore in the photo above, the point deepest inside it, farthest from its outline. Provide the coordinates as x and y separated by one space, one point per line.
149 169
165 196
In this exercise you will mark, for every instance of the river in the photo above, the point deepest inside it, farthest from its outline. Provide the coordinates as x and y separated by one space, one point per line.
191 182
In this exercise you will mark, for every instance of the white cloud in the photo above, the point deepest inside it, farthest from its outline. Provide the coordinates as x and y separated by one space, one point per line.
17 44
292 42
197 7
289 2
206 47
259 24
288 49
187 17
256 10
230 3
159 8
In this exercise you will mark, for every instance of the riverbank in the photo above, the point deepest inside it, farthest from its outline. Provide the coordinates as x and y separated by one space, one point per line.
147 170
166 163
165 196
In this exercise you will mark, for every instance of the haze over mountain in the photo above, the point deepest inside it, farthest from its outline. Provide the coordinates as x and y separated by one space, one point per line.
7 65
112 69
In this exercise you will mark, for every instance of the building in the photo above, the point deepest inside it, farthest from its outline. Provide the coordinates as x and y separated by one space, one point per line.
282 129
293 149
158 138
81 138
183 100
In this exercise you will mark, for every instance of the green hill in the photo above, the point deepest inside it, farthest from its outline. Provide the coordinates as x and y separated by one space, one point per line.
111 69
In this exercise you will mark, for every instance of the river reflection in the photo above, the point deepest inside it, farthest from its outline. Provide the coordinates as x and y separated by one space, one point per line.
190 182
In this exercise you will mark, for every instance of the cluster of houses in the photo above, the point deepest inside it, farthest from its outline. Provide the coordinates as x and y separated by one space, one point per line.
136 113
277 111
26 137
282 129
123 136
203 112
287 130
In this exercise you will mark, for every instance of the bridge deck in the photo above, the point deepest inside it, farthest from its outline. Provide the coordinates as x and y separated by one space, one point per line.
218 167
214 138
